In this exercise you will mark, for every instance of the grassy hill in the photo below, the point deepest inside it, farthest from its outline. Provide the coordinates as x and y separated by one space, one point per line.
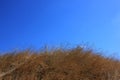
58 64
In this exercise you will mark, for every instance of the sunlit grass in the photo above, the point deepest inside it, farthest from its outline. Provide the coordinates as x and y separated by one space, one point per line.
58 64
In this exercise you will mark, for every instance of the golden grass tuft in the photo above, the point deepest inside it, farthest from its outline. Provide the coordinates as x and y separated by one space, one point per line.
72 64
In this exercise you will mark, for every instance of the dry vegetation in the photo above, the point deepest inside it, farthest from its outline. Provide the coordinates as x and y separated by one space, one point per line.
58 64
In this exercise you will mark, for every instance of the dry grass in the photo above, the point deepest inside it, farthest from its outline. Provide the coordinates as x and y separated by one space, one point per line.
73 64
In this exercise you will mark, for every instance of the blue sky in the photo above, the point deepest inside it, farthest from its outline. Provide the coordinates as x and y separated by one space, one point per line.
33 23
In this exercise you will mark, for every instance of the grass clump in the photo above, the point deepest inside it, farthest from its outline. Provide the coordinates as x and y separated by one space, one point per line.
59 64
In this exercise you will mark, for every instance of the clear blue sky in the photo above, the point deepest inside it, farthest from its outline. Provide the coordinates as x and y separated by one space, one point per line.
25 23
